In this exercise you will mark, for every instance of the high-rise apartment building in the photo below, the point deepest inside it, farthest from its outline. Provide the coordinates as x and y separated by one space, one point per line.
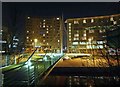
88 35
44 32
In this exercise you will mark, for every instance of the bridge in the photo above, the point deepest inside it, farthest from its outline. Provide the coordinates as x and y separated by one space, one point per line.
27 73
38 69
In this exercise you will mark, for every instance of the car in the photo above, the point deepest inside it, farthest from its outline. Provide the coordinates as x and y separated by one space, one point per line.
66 58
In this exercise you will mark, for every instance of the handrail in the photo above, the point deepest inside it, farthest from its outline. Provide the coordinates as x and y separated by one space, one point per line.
32 73
29 57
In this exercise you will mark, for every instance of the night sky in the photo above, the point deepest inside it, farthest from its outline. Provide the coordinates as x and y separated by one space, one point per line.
14 13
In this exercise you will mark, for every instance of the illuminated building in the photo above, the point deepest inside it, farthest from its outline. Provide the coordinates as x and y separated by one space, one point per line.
88 35
5 40
44 32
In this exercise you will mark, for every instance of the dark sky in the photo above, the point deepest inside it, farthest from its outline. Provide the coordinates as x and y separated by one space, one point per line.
14 12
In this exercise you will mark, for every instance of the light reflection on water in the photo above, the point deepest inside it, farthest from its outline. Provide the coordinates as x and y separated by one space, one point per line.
82 81
88 81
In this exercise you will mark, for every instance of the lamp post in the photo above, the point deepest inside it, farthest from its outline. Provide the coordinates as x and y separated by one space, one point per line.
35 42
90 40
90 44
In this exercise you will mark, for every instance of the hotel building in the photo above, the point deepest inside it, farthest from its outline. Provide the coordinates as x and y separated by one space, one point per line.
44 32
88 35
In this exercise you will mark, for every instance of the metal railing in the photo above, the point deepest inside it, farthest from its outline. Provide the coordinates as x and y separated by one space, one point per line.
31 71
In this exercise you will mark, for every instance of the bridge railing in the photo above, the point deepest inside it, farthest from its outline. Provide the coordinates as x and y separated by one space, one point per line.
32 71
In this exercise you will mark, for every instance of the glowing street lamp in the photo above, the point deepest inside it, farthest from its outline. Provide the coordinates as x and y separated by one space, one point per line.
35 40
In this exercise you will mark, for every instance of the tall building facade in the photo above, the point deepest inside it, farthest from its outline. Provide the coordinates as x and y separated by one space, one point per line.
44 32
88 35
5 40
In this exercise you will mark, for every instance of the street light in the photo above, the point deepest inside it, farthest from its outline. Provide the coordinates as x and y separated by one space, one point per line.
35 40
90 42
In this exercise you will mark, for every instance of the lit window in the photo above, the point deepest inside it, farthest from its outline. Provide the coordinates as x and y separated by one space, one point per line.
43 40
114 22
76 38
90 39
28 17
100 42
83 38
83 43
91 31
76 35
69 30
58 40
47 44
75 43
111 19
84 31
69 36
31 40
43 23
27 31
69 39
27 37
47 28
44 26
58 18
76 22
47 32
100 46
84 35
84 21
70 24
103 36
43 20
101 31
92 20
1 30
43 34
77 31
69 33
